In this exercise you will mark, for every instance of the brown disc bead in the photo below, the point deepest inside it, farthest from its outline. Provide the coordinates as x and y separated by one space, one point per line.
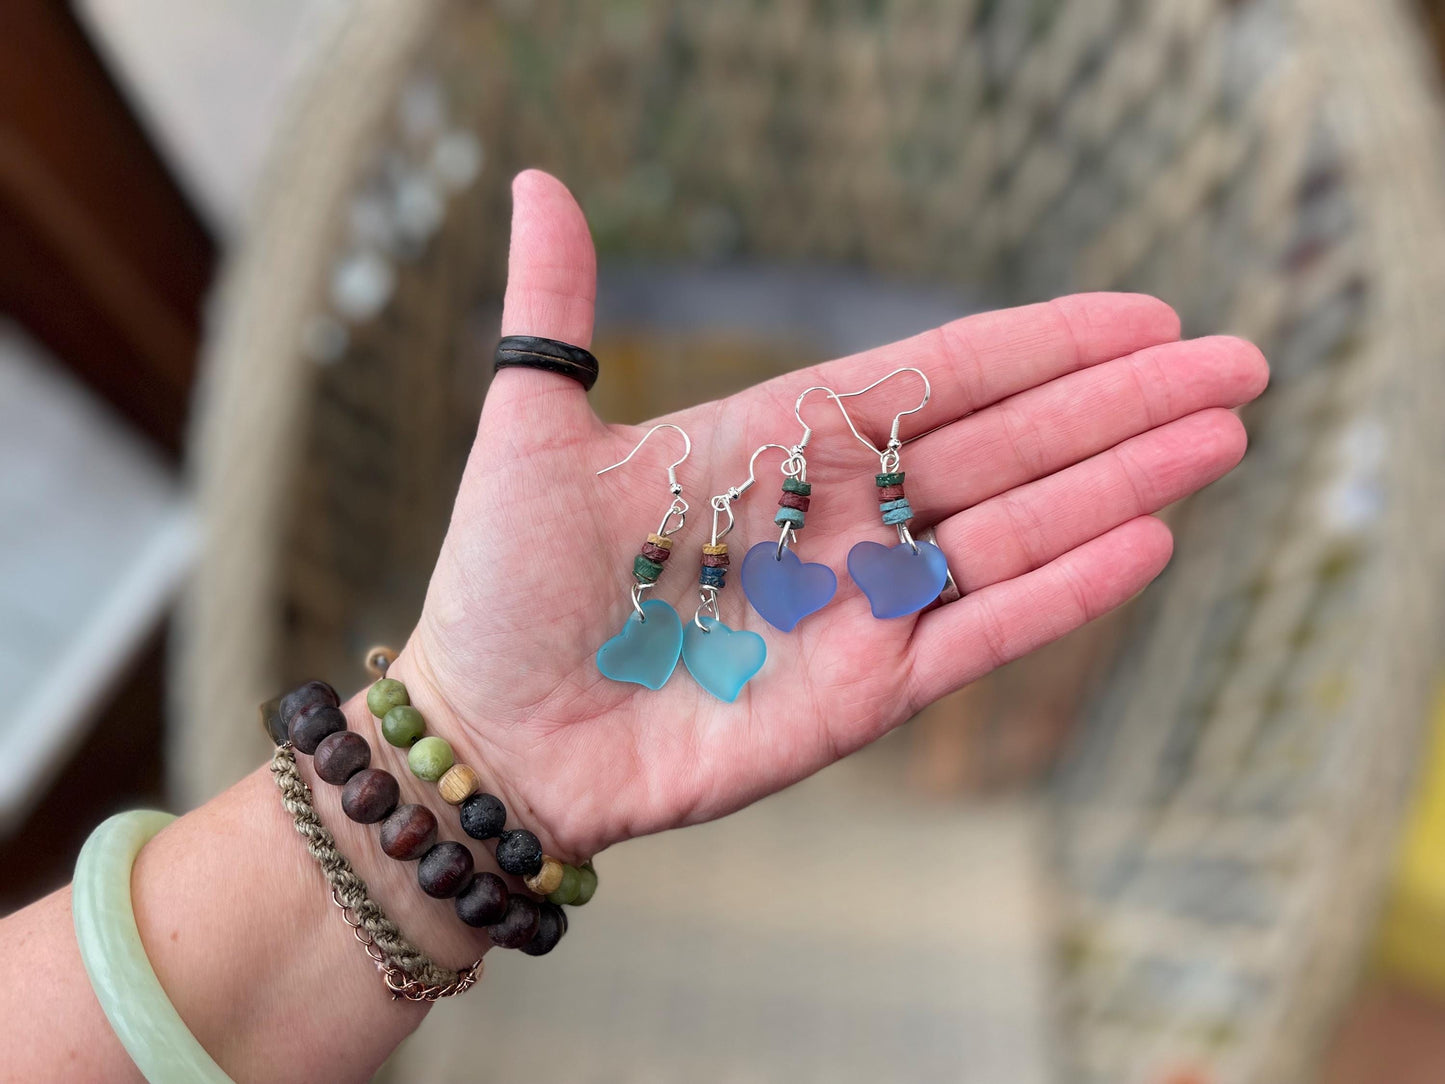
312 725
793 500
341 755
409 832
306 696
551 925
483 901
444 870
518 925
370 795
890 493
715 560
655 553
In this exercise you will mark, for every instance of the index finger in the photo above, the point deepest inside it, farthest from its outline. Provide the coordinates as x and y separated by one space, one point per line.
978 360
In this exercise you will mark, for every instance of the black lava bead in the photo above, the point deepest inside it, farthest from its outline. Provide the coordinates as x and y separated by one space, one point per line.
307 696
483 901
444 870
551 925
370 795
483 816
409 832
312 725
518 925
519 853
342 755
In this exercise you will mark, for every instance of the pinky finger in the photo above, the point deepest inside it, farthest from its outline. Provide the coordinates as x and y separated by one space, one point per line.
964 640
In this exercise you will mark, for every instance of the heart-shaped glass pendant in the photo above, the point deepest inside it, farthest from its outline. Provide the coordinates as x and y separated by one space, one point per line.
644 652
722 659
783 589
897 580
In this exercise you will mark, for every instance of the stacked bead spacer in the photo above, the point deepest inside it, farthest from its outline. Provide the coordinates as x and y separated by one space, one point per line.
714 570
891 501
793 504
647 565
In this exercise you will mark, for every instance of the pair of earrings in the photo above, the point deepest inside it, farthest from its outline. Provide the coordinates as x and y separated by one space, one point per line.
897 580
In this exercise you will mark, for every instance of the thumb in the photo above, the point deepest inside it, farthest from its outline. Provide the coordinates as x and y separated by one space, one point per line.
551 287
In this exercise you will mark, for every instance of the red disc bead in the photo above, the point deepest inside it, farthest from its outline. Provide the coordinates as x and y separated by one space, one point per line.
655 553
793 500
890 493
714 560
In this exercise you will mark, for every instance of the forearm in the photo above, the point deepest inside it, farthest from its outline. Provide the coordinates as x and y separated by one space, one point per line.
238 923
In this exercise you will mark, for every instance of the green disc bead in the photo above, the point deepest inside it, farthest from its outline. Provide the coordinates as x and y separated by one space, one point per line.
402 726
386 694
587 885
571 884
646 569
802 489
430 758
892 478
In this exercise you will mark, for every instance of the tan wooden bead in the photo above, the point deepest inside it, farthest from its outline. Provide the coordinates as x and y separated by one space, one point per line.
715 549
660 540
546 879
458 784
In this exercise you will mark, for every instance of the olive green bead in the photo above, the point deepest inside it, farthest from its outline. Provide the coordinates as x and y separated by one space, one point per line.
566 892
402 726
587 885
430 758
802 489
386 694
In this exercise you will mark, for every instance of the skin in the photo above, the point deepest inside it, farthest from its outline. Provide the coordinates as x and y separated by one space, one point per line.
1057 431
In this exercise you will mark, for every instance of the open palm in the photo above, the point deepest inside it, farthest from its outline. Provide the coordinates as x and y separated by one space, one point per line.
1061 428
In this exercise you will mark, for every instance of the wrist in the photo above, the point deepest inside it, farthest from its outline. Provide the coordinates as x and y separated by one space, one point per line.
429 923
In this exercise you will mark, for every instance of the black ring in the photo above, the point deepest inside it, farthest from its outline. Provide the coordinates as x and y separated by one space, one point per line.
549 355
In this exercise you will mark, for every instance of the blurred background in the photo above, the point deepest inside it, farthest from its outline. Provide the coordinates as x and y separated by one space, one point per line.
251 262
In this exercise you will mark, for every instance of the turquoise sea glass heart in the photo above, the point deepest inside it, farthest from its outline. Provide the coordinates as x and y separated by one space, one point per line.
644 652
783 589
896 580
722 660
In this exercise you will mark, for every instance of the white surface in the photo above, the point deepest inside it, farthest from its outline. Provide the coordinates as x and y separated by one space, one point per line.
210 78
94 541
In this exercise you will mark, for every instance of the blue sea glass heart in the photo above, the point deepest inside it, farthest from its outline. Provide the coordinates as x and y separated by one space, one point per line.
644 652
785 590
896 580
722 659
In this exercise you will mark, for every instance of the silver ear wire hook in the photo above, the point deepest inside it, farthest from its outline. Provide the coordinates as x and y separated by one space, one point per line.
678 507
888 455
672 481
722 506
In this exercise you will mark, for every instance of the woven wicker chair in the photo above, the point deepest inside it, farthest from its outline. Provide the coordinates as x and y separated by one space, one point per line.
1270 167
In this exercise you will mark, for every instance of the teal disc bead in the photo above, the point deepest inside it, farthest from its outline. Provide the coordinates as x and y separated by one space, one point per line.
571 884
403 726
586 885
430 758
791 516
386 694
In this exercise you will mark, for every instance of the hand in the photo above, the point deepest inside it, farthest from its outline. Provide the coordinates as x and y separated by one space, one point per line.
1069 424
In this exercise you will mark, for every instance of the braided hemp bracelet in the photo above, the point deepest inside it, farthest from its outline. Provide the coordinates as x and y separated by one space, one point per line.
408 972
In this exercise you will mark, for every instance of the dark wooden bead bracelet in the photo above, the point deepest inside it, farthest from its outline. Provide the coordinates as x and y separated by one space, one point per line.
311 718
